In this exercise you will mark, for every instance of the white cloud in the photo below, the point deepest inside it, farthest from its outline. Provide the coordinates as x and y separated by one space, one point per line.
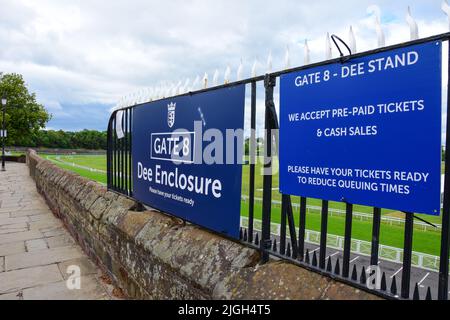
93 52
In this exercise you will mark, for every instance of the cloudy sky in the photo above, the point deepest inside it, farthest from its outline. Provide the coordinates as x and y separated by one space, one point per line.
81 57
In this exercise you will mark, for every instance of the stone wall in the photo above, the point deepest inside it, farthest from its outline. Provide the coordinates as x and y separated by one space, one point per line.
153 256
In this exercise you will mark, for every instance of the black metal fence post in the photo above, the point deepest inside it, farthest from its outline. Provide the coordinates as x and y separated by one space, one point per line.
407 254
269 84
375 236
252 151
283 224
323 234
125 141
347 240
302 228
445 236
108 155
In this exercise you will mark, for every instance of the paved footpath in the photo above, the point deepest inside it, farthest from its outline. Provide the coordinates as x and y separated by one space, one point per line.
37 254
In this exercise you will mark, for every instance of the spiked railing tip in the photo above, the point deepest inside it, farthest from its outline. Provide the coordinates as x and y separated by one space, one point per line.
269 62
428 296
328 52
195 85
239 71
337 268
314 259
383 282
352 40
205 81
288 251
363 278
215 80
255 64
329 266
416 295
380 32
413 28
306 55
287 59
446 8
354 273
227 75
394 286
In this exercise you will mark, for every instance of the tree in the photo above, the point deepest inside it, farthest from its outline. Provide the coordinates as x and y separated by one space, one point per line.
24 116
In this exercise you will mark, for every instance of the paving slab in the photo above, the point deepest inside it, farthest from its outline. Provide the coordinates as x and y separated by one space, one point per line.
60 241
12 228
4 215
11 296
35 245
12 281
7 220
89 289
12 248
41 257
20 236
45 224
28 212
53 232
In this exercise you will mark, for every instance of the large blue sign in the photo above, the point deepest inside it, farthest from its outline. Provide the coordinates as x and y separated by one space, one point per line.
186 157
367 131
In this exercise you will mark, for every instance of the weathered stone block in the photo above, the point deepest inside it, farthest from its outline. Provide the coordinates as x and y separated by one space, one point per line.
154 256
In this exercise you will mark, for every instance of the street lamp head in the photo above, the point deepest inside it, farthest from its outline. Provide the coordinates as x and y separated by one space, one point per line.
4 100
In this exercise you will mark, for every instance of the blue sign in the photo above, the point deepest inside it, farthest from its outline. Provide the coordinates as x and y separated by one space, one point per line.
186 157
367 131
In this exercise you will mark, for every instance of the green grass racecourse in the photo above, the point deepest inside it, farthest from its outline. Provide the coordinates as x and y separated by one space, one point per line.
424 241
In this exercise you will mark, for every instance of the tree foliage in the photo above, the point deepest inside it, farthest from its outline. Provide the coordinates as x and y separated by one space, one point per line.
86 139
24 116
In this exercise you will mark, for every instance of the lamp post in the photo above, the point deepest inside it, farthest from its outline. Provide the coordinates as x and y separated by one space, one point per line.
4 132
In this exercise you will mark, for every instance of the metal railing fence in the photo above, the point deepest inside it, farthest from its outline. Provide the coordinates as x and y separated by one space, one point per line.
291 239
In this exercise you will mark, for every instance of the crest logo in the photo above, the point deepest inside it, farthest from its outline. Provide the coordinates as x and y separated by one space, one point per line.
171 114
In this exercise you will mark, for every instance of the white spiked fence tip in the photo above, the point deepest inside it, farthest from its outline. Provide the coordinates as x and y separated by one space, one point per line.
255 64
306 55
240 71
413 28
269 62
186 85
174 90
287 58
446 8
205 81
380 33
328 54
196 83
227 74
167 90
216 78
352 40
151 93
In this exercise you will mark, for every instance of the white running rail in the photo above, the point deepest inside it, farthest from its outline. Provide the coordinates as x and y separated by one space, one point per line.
360 247
358 215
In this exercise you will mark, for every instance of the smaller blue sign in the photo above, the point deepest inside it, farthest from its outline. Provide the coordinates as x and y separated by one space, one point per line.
179 164
367 131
